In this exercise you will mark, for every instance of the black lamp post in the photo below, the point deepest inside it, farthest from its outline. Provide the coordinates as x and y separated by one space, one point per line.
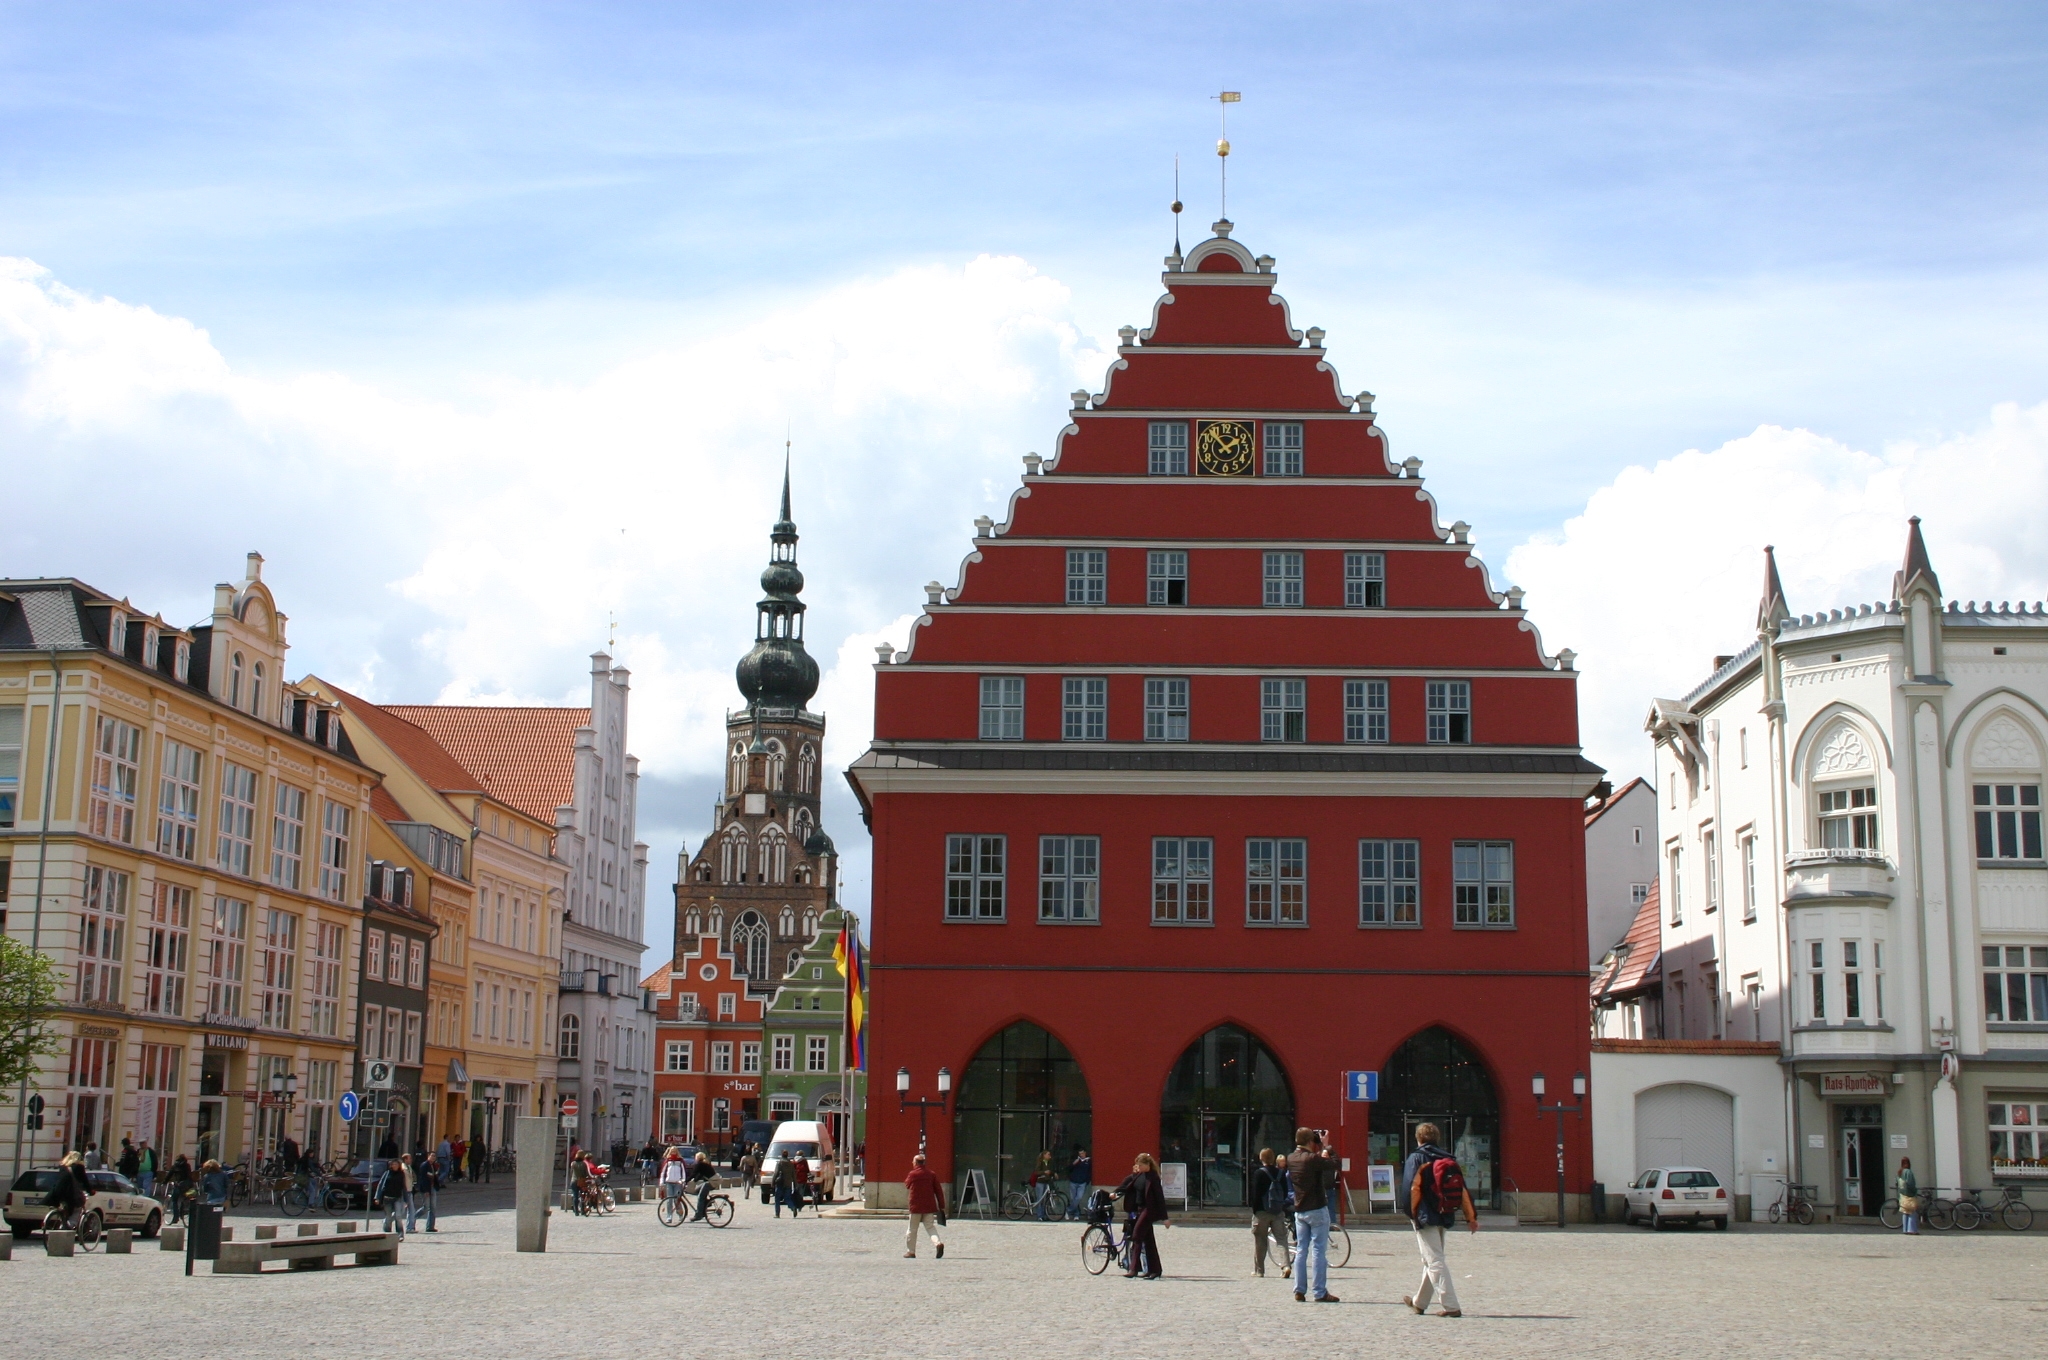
1579 1092
284 1086
923 1103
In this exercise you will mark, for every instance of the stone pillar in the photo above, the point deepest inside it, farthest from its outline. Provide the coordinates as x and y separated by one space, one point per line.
535 1149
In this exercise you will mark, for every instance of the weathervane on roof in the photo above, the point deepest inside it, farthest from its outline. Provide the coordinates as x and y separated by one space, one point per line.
611 630
1176 205
1226 99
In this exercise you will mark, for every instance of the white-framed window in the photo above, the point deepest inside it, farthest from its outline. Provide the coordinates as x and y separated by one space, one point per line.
1449 707
277 968
116 778
334 839
1283 710
1365 580
680 1054
1069 878
2019 1133
1276 881
227 953
1002 708
1817 976
103 936
1710 855
678 1119
1166 576
1848 818
1747 848
412 1037
235 839
1283 580
1283 448
728 1005
569 1043
256 690
373 955
2015 984
1389 883
235 681
974 878
1087 576
1183 875
415 963
12 723
2008 818
1084 708
287 836
785 1053
324 977
750 1056
817 1053
1166 709
393 1019
1483 883
1638 893
782 1107
1365 710
1168 441
177 807
167 950
1852 979
1676 882
373 1032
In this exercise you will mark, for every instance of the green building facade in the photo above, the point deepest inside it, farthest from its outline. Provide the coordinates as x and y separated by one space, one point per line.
803 1045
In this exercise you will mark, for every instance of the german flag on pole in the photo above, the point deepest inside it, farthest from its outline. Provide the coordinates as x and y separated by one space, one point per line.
846 958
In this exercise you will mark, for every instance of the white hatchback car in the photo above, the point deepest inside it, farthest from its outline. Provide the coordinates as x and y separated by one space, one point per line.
121 1205
1679 1194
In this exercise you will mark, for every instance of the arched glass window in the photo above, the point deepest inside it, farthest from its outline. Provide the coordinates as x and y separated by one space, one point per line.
1226 1098
732 857
810 924
736 768
256 692
717 922
1023 1094
235 681
807 769
774 855
750 945
788 922
775 763
571 1044
1434 1078
795 957
692 922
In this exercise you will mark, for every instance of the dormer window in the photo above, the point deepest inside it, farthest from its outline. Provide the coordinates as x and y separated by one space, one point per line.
117 633
235 681
149 653
181 661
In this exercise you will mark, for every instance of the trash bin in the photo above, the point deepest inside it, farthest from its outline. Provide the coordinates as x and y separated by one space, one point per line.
202 1235
1599 1202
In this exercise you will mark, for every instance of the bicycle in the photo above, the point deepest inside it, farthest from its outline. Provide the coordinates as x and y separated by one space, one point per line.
676 1211
2009 1208
88 1224
1100 1247
1020 1204
1796 1204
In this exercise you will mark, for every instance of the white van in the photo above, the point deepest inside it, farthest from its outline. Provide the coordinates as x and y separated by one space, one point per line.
810 1139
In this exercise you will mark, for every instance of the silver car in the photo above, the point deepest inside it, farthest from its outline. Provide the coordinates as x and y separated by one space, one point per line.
1679 1194
121 1205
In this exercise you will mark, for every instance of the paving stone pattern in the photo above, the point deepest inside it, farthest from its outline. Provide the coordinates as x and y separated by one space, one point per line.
840 1289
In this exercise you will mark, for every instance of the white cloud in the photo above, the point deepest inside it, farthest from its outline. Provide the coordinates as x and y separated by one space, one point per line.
1664 568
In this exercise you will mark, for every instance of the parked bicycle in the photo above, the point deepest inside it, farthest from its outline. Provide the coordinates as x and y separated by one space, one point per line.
314 1192
1020 1204
2008 1208
1935 1212
1796 1204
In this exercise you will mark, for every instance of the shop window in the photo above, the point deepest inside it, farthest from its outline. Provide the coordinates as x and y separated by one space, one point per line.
2019 1136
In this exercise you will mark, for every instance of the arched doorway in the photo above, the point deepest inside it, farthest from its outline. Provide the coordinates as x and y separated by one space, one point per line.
1023 1094
1226 1098
1435 1079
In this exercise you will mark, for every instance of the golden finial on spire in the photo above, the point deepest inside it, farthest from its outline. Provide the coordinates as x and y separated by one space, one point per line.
1225 99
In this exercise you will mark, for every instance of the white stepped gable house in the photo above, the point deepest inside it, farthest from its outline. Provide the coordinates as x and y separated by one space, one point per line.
1852 867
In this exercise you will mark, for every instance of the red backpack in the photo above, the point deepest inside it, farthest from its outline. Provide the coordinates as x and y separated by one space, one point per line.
1443 1185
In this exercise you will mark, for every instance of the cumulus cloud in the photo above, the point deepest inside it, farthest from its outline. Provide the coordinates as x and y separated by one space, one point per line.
1664 568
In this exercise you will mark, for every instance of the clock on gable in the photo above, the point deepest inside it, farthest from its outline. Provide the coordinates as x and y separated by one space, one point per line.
1223 448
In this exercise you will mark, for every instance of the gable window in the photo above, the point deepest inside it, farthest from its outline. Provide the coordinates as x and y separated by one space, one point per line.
1069 878
2008 820
1848 819
2015 984
1276 882
1389 883
1365 710
1181 880
1483 882
1283 580
1166 709
785 1053
1450 711
974 878
1084 708
1169 448
177 810
235 846
1283 710
1087 575
1283 448
1365 580
1002 708
1166 576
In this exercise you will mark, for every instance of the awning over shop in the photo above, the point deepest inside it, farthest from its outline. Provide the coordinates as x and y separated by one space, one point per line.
458 1075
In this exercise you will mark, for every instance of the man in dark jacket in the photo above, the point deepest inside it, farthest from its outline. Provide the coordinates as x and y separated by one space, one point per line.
1080 1183
129 1163
1269 1212
1312 1172
1431 1217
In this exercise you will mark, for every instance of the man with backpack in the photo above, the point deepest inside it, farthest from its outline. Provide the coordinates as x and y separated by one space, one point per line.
1269 1213
1311 1176
1435 1195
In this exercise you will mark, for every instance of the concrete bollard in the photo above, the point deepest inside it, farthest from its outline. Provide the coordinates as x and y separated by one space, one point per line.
345 1227
6 1246
120 1241
633 1195
172 1238
266 1232
59 1241
227 1234
309 1230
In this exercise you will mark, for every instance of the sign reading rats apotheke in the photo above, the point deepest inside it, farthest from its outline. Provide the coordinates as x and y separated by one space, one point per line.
1855 1084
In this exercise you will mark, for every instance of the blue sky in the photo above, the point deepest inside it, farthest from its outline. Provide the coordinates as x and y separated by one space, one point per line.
568 271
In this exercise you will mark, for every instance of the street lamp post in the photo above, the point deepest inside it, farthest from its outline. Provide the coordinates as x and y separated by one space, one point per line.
285 1087
923 1103
1578 1092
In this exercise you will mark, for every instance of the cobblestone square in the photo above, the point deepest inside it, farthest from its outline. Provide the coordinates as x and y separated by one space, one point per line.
840 1287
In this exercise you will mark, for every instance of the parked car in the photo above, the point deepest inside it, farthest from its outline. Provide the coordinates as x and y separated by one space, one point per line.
1679 1194
114 1195
810 1139
358 1183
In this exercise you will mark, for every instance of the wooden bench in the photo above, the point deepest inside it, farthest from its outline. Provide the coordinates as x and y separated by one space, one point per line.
307 1253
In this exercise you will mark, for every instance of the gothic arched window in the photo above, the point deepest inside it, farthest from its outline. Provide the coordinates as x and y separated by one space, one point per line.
810 924
774 862
692 923
795 957
736 768
775 764
717 921
807 769
802 826
750 945
732 857
788 922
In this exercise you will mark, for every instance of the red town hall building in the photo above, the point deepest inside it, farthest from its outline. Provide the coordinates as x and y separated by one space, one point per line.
1224 770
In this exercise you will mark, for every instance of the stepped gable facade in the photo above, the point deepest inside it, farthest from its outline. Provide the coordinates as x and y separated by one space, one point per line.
1224 769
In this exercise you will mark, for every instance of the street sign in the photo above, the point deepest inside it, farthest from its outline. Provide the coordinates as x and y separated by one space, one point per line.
569 1123
569 1108
380 1076
1361 1086
349 1107
35 1104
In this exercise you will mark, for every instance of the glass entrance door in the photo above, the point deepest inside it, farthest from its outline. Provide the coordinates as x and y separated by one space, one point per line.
1223 1176
212 1117
1862 1159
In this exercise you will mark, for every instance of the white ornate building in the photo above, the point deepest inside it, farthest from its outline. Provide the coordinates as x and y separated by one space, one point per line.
1852 868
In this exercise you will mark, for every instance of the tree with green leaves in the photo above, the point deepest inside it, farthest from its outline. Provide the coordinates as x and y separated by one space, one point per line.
28 1000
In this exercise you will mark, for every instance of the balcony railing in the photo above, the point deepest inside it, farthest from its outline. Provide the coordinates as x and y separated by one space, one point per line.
1810 859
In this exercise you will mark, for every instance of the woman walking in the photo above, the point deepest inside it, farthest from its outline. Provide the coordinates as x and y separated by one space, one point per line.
1909 1198
1145 1200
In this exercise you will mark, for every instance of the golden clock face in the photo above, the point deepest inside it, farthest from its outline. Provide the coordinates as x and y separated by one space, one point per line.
1223 448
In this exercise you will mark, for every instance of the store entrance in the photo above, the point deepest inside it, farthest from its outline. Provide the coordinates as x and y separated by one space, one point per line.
1229 1153
1861 1143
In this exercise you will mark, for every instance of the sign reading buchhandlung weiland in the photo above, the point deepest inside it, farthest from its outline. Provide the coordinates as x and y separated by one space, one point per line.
1855 1084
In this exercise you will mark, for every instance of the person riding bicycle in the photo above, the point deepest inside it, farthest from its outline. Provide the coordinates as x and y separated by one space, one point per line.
701 1174
73 1189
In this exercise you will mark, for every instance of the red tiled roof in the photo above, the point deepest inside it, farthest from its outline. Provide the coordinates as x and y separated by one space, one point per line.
1597 813
657 981
523 757
1635 962
421 753
385 806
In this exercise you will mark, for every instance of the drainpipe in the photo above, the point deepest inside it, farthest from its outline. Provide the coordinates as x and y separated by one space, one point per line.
35 936
1720 879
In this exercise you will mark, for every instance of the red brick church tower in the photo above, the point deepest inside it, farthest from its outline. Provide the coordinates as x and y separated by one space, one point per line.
1224 770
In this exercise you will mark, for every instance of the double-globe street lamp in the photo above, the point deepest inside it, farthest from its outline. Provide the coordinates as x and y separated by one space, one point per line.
923 1103
284 1089
1579 1092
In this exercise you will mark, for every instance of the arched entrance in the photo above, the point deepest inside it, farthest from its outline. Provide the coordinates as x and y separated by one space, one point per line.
1435 1079
1022 1095
1227 1097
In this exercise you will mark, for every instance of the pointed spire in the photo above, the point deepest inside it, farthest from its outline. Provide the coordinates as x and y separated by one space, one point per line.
1771 610
1917 565
785 484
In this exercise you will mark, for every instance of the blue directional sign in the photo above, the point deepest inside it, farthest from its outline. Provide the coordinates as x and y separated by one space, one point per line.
1361 1086
349 1106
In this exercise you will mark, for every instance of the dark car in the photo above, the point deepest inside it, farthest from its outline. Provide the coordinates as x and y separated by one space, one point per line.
357 1184
758 1132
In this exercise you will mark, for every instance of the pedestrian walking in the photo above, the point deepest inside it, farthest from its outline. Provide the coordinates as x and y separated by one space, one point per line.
446 1152
129 1163
1145 1201
1311 1176
1433 1188
1080 1183
1909 1198
394 1192
750 1173
927 1208
426 1194
178 1187
456 1152
1269 1213
213 1183
476 1159
145 1169
93 1160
